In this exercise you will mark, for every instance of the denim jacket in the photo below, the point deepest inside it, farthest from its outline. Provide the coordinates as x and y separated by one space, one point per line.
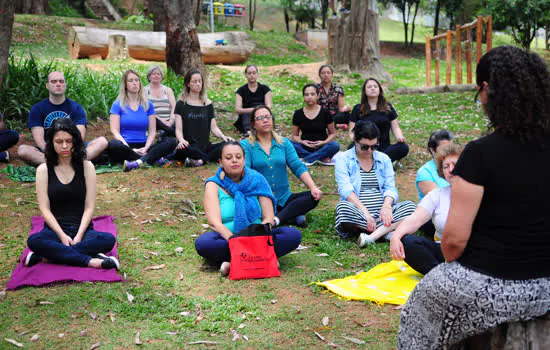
347 173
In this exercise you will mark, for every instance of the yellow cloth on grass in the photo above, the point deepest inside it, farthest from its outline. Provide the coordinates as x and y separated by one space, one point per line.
390 283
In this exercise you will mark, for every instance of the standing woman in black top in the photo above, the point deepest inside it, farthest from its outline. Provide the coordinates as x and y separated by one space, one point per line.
497 236
66 193
375 108
313 130
249 96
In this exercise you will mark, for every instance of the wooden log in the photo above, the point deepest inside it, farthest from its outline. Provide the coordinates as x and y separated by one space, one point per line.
428 62
458 56
479 38
151 46
468 56
437 60
449 60
489 33
117 47
436 89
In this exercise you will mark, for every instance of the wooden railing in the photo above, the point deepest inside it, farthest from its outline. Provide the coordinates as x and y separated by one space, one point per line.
479 24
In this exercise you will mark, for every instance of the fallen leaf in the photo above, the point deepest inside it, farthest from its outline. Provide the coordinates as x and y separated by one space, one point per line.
46 302
338 263
399 307
354 340
298 309
61 335
199 313
35 337
319 336
179 249
11 341
84 333
130 297
180 277
273 301
301 247
137 340
22 333
205 226
93 315
245 337
185 313
171 333
322 254
154 253
2 295
325 321
236 335
241 326
95 346
155 267
205 342
364 324
172 322
112 317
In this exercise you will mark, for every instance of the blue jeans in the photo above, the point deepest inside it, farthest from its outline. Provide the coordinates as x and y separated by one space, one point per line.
422 254
47 244
310 155
214 248
8 138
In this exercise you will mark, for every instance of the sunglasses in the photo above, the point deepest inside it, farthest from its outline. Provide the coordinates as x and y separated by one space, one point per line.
367 147
261 117
476 97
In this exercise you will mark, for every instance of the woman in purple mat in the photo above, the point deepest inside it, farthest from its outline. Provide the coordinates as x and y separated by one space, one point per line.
234 198
66 192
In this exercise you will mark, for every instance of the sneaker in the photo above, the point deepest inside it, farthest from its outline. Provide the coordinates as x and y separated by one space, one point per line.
109 262
130 165
312 163
364 239
4 157
32 259
224 268
343 10
161 162
334 15
301 221
192 163
173 164
327 161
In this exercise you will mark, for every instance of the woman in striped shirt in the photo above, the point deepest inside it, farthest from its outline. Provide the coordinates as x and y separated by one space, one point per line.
163 100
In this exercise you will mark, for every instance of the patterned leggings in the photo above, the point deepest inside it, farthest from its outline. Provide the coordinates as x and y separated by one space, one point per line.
452 303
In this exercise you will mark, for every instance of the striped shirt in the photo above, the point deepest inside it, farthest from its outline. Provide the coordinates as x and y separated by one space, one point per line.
162 105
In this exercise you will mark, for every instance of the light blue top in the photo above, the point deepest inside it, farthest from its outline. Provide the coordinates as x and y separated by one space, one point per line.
273 166
227 209
428 172
347 173
133 124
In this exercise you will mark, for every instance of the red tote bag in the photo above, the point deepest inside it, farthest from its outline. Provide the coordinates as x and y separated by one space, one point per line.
253 254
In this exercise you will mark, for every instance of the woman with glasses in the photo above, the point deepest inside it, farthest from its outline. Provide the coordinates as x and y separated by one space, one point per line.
420 253
270 154
375 108
368 205
134 127
313 130
497 236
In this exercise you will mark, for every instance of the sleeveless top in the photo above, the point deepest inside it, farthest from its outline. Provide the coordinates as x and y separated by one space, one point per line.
162 105
67 201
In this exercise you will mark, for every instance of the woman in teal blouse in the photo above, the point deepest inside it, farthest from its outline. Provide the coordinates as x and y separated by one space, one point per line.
270 154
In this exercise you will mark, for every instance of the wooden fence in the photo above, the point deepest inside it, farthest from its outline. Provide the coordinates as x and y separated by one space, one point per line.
460 32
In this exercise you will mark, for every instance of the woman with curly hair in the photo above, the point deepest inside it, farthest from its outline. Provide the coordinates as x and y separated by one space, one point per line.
66 192
497 236
375 108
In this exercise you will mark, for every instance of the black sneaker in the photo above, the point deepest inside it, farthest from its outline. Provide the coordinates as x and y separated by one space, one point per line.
32 259
109 262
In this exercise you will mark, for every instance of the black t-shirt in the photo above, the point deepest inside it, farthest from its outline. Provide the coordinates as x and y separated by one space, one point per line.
196 123
67 201
312 129
511 233
381 119
253 99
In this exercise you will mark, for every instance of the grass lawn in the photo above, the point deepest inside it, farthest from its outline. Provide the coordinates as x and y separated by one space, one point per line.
273 313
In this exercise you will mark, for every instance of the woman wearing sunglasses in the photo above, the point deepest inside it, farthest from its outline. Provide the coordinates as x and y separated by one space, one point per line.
270 154
368 204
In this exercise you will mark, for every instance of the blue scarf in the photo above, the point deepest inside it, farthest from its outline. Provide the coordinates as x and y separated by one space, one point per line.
252 185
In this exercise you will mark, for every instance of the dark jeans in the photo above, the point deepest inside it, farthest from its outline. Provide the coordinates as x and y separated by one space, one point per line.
243 123
341 118
47 244
119 152
428 229
397 151
296 205
215 248
310 154
422 254
211 154
8 138
165 129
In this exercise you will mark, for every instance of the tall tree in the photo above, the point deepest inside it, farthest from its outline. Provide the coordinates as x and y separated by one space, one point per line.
324 9
436 17
35 7
6 25
183 50
251 13
155 10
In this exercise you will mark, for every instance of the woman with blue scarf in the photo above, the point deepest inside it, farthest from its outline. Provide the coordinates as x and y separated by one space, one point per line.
234 198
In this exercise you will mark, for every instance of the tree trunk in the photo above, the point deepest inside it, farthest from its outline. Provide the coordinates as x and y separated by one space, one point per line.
436 23
287 20
547 37
183 50
34 7
324 9
197 6
156 8
251 13
413 25
118 50
6 25
405 24
353 42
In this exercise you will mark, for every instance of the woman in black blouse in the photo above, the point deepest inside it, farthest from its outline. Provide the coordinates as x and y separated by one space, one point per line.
375 108
497 237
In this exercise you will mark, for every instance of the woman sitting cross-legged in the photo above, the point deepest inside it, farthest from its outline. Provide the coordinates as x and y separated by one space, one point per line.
234 198
366 184
133 125
270 154
66 193
195 120
313 130
420 253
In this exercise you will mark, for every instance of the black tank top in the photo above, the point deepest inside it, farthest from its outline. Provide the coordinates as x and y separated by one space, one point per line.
67 201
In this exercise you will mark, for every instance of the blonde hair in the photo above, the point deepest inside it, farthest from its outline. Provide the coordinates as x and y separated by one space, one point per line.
123 92
253 137
186 90
443 152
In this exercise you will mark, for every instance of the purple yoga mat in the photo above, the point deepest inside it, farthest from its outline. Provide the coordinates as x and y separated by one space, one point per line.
45 273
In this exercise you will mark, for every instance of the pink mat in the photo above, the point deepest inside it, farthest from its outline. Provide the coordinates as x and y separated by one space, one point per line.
45 273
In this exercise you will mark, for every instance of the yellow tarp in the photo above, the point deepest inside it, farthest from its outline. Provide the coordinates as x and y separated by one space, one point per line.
390 283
